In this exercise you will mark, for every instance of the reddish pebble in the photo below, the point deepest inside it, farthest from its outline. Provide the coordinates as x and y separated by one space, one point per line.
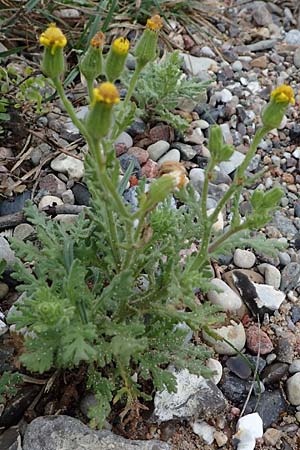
141 154
161 133
258 341
150 169
188 41
133 181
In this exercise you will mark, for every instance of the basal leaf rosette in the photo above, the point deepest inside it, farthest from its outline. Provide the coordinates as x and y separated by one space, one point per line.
53 41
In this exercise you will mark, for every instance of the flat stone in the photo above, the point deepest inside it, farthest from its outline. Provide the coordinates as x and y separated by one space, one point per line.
197 64
195 397
271 273
68 433
295 366
172 155
227 299
158 149
290 277
234 388
125 139
258 341
68 197
261 15
227 136
244 259
73 167
239 367
52 184
187 151
205 431
274 373
272 436
292 37
233 163
283 224
285 349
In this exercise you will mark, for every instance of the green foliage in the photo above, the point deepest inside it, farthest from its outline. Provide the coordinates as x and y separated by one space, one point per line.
162 86
8 383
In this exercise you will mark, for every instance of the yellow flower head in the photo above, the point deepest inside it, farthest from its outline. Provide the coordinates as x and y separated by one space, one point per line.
53 38
155 23
106 93
121 46
283 94
98 40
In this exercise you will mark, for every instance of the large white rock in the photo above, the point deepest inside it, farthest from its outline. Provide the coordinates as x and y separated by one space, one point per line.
268 296
233 333
293 389
227 298
249 428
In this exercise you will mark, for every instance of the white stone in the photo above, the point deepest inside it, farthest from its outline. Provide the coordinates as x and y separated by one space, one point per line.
224 95
3 327
293 389
195 137
219 223
296 153
226 133
172 155
207 51
6 252
49 200
205 431
295 366
73 167
68 13
268 296
196 65
249 428
68 219
203 124
125 139
158 149
234 333
271 273
227 298
244 259
235 161
217 368
197 177
253 87
237 66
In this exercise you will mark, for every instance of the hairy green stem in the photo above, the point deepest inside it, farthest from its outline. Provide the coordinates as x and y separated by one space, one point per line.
214 245
90 87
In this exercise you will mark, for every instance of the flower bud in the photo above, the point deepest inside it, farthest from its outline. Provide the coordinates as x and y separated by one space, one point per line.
54 41
218 150
145 50
274 111
92 61
98 120
116 58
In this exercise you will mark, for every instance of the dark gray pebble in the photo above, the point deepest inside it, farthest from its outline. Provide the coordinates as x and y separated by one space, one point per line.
239 367
274 373
270 406
290 277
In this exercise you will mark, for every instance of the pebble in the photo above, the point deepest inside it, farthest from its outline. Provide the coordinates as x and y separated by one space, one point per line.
197 64
272 436
292 37
52 185
221 438
6 252
195 137
73 167
239 366
268 297
227 299
227 136
271 273
187 151
141 154
285 349
3 328
125 139
295 366
172 155
4 289
293 389
235 161
125 161
224 96
216 367
249 428
258 341
49 200
261 15
274 373
205 431
244 259
270 407
68 197
234 388
237 66
68 219
81 194
290 276
150 169
158 149
234 333
23 231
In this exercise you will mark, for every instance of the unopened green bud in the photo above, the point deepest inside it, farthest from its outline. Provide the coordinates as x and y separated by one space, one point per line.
274 111
99 118
218 150
146 48
116 57
53 41
92 61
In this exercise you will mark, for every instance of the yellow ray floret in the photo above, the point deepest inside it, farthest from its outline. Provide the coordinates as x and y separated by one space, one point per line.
283 94
121 46
98 40
155 23
106 93
53 38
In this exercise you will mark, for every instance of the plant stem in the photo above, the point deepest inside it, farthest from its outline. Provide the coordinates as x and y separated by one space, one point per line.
90 87
214 245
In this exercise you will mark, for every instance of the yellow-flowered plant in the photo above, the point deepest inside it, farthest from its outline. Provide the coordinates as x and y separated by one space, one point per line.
111 292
